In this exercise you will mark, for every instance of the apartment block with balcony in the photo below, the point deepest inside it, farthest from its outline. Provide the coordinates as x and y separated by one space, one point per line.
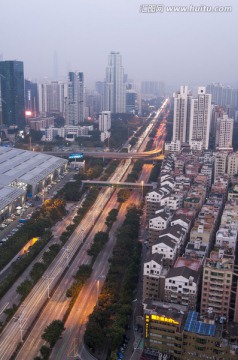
217 284
181 286
163 324
233 193
153 277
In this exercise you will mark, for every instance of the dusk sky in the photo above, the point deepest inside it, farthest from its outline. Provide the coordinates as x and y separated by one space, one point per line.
178 48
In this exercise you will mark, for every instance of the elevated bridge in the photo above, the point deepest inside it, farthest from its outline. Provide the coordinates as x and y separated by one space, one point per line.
118 184
153 155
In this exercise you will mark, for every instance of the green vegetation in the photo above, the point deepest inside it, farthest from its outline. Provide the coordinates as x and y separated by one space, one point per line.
111 217
53 332
37 270
155 172
149 145
108 320
123 195
123 126
134 175
100 239
51 211
84 272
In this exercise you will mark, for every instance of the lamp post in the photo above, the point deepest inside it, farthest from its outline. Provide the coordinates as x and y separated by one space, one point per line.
142 188
133 320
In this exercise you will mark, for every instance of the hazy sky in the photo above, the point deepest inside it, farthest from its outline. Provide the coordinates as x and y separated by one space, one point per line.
193 48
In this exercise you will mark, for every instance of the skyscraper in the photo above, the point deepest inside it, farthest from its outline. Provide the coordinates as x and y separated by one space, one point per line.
181 114
115 89
31 98
12 93
76 99
200 117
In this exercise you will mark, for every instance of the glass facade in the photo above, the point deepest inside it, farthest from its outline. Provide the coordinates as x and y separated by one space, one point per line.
12 93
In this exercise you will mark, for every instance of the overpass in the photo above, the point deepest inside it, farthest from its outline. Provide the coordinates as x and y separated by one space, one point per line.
156 155
118 184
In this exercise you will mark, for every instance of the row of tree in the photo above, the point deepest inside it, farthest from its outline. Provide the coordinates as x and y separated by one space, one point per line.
135 173
38 270
53 331
107 322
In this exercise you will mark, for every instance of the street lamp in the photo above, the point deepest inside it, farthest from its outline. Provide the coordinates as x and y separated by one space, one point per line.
97 286
133 320
142 188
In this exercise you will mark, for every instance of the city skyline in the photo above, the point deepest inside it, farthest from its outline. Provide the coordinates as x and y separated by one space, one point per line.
147 42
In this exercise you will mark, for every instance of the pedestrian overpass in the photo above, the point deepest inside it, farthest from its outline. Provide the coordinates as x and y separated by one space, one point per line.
118 184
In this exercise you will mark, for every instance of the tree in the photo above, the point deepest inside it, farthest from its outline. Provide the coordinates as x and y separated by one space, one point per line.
111 217
123 195
24 288
37 271
45 352
53 332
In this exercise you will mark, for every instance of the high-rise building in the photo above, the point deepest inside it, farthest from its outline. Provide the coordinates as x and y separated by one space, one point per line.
217 285
181 114
52 98
105 121
223 95
12 93
220 164
31 98
114 88
232 164
105 125
224 132
149 88
131 101
76 99
200 117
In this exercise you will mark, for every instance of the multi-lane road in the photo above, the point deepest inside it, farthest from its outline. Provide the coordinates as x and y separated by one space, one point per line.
56 306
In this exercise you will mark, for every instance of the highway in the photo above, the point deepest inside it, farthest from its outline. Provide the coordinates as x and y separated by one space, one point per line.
10 336
26 315
71 343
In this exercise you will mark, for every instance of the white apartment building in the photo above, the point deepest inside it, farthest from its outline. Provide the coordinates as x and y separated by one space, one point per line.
69 131
105 125
181 286
105 121
115 87
168 248
173 146
52 97
224 132
181 114
159 222
200 117
226 236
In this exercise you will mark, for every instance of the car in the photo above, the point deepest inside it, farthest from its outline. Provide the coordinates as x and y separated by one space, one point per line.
120 355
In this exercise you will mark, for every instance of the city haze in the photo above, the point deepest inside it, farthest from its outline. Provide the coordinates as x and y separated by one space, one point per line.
193 48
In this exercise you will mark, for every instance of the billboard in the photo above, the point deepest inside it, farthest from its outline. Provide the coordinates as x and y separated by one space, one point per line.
76 156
